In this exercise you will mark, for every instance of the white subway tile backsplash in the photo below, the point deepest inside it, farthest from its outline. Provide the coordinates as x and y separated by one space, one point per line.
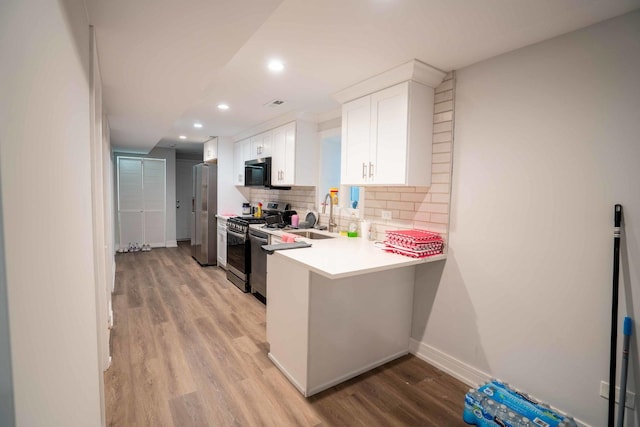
442 137
415 216
440 198
441 168
403 206
440 218
415 197
432 207
443 117
442 127
444 86
376 203
443 106
402 189
386 196
440 188
442 147
443 96
441 158
440 178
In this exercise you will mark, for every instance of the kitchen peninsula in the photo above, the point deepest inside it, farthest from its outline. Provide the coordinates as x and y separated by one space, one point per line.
338 309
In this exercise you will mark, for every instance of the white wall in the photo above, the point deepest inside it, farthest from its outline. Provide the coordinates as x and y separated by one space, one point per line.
230 197
46 204
169 154
546 142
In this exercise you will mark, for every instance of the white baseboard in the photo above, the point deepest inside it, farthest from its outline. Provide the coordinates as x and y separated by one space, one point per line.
354 373
467 374
286 373
172 243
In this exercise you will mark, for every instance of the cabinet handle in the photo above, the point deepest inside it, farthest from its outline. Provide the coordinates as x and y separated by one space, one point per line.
370 170
364 170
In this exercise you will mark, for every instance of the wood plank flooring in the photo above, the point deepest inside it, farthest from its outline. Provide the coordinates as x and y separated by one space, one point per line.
189 349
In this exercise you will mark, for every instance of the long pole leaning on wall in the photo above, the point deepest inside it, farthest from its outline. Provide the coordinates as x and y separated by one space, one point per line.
614 316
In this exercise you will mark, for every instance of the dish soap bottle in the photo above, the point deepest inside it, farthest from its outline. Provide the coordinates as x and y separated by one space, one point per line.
259 211
353 226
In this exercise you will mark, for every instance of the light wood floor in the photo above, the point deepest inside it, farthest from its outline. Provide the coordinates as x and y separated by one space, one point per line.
189 349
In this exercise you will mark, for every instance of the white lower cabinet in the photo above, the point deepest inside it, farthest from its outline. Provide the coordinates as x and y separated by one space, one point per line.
222 243
324 331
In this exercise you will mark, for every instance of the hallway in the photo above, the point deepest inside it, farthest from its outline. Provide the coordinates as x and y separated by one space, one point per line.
189 349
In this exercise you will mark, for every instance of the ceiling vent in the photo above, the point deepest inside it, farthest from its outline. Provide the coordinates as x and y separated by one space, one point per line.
275 103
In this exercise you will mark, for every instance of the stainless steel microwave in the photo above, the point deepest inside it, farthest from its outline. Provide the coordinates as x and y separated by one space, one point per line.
257 173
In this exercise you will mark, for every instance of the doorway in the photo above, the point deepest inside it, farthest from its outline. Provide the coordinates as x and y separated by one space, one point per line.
141 201
184 194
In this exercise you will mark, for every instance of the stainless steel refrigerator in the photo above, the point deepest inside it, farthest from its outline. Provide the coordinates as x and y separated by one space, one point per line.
204 206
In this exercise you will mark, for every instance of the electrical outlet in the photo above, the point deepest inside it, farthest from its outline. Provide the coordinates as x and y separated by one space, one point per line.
630 403
386 214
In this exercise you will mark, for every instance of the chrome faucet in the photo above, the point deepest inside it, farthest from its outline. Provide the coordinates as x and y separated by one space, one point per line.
332 225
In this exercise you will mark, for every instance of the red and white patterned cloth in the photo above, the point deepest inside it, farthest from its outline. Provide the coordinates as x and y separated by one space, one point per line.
414 243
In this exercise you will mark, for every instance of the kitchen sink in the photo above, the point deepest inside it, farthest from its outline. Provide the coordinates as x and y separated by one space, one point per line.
310 234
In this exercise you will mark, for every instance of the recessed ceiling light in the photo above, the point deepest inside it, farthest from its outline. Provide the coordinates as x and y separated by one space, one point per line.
276 65
182 137
197 125
223 107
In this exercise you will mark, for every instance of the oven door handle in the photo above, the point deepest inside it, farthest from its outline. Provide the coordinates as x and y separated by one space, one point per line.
240 236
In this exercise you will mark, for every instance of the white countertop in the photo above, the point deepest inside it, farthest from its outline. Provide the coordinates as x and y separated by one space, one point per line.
345 256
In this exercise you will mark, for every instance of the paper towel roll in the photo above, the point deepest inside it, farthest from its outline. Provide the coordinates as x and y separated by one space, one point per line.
365 229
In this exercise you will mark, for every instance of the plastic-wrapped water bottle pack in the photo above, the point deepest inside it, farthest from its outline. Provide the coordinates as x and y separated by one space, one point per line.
497 404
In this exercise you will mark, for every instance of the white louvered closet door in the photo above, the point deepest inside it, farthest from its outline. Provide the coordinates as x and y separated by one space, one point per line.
141 201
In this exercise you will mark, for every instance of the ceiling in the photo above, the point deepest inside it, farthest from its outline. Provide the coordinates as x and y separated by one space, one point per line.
167 64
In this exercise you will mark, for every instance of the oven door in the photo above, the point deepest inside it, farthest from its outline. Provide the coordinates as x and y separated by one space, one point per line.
238 260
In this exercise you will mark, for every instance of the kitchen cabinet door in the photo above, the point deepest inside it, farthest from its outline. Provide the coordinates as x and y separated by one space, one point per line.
261 145
241 153
388 149
288 171
283 155
356 129
278 155
210 152
387 137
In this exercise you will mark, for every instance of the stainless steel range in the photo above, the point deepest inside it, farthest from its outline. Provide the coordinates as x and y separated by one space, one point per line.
239 251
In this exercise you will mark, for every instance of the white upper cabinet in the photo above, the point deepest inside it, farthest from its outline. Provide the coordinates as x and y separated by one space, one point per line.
261 145
294 154
386 137
356 128
241 153
210 152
